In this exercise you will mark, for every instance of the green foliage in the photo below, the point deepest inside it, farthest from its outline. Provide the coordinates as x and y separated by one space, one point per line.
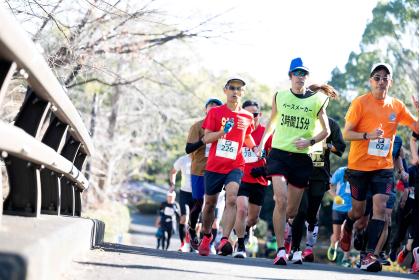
148 207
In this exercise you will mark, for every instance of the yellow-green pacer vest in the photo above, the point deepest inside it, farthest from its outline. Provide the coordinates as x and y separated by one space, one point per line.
296 118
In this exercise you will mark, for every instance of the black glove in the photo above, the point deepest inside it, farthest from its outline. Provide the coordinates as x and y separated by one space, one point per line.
258 172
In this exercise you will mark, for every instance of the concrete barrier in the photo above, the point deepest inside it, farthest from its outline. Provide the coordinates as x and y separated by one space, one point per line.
42 248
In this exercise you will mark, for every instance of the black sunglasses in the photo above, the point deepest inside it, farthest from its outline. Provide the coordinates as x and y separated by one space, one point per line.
233 88
256 114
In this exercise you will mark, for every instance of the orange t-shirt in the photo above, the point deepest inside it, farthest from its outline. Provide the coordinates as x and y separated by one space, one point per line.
367 113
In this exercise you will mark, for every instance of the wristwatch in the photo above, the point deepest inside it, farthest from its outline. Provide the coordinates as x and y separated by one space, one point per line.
312 142
365 136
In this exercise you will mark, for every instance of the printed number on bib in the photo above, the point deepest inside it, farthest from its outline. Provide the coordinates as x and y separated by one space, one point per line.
249 155
379 147
206 153
317 159
227 148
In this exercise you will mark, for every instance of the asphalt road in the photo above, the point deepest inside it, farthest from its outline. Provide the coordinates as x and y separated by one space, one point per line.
139 260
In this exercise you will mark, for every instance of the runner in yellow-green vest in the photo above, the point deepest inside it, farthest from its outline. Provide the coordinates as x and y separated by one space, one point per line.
293 117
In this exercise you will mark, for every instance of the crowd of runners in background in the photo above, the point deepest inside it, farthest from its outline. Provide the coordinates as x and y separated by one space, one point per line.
231 158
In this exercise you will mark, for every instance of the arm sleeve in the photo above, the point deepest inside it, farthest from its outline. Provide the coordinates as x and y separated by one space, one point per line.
191 147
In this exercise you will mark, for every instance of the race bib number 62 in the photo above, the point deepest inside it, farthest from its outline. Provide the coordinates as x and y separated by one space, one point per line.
379 147
227 149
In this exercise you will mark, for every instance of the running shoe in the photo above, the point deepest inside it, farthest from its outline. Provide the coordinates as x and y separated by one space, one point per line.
212 249
180 247
194 241
297 257
185 247
370 263
358 238
393 254
280 258
401 256
345 263
415 267
308 255
383 259
311 236
224 248
204 248
240 252
332 252
362 255
345 240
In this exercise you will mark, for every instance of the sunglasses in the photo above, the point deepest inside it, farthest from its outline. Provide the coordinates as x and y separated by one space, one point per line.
233 88
299 73
256 114
378 78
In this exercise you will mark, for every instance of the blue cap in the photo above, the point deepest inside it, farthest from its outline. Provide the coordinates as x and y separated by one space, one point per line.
296 64
214 100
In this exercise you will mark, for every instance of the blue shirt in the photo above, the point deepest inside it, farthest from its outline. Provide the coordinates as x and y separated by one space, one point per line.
397 146
342 189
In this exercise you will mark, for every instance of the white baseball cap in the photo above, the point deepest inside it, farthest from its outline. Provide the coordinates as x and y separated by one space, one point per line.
382 65
236 78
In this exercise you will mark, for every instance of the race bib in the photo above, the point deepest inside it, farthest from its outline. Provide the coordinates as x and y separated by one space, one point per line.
317 159
206 153
249 155
169 211
227 149
379 147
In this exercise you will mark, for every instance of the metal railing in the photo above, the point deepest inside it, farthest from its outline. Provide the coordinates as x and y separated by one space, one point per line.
45 175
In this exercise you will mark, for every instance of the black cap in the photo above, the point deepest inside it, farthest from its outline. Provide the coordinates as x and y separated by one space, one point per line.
214 100
248 103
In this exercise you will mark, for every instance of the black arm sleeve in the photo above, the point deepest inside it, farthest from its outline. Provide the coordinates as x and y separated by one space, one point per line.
191 147
337 138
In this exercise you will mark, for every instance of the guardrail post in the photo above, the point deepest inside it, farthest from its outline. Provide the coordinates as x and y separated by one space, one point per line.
24 178
50 198
78 163
69 151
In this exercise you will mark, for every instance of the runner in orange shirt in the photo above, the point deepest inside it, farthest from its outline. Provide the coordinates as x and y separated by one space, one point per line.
371 125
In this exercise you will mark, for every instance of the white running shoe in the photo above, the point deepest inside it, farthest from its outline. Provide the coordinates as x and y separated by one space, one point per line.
281 257
239 253
185 248
311 236
212 249
297 257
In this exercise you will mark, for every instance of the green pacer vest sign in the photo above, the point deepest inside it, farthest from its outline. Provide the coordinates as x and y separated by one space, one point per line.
296 118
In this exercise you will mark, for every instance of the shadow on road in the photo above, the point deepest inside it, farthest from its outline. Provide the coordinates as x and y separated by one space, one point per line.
259 262
172 269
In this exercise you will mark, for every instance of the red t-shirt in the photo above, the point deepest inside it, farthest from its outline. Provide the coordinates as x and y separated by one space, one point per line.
226 154
250 157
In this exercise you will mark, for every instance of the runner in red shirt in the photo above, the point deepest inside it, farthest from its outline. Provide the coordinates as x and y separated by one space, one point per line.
253 185
228 128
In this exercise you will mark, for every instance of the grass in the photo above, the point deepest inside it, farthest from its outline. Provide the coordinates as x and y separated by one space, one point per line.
116 217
